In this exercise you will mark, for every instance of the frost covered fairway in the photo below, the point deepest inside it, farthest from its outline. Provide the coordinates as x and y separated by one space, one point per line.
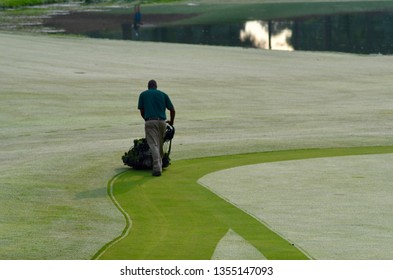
68 113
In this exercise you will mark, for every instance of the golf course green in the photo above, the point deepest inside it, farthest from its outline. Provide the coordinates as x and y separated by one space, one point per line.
68 113
173 217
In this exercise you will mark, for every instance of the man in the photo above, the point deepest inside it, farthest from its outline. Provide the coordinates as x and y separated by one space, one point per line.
152 104
137 18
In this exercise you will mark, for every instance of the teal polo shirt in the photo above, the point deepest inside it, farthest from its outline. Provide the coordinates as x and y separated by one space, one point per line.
154 103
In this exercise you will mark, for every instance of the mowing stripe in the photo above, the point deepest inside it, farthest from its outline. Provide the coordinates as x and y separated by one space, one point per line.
176 218
127 218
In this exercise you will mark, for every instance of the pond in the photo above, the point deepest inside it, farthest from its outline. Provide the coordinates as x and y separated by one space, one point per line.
363 33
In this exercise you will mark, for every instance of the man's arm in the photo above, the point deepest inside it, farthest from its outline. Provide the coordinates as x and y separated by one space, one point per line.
172 116
142 113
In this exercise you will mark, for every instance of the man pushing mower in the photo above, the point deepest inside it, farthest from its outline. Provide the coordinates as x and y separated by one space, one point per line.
153 104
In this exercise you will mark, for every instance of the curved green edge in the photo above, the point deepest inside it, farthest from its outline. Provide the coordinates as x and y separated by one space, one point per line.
174 218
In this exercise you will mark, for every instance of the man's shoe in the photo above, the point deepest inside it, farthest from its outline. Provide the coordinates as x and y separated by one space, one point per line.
157 173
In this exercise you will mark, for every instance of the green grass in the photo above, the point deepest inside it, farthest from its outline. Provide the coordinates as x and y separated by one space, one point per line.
21 3
173 217
68 113
311 202
212 12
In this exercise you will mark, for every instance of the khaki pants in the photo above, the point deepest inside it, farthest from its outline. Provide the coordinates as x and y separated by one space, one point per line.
155 132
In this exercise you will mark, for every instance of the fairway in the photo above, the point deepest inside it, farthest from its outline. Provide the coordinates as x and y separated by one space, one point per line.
68 113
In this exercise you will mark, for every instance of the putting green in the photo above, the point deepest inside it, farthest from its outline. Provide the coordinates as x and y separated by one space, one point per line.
173 217
334 208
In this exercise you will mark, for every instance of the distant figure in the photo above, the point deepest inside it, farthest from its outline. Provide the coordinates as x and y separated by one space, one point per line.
153 104
137 18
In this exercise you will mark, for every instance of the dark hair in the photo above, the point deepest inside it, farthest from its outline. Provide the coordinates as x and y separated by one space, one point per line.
152 84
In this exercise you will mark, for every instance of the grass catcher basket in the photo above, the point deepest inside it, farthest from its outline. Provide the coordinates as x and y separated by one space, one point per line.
139 155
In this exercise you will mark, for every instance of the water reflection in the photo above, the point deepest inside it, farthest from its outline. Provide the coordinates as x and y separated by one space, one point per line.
364 33
260 35
355 33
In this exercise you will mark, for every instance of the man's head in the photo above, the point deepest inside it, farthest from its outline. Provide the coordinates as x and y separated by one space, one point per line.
152 84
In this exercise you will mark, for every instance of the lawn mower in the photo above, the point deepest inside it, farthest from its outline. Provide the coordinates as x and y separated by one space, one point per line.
139 155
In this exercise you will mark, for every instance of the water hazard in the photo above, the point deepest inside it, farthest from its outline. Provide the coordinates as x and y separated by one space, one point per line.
363 33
